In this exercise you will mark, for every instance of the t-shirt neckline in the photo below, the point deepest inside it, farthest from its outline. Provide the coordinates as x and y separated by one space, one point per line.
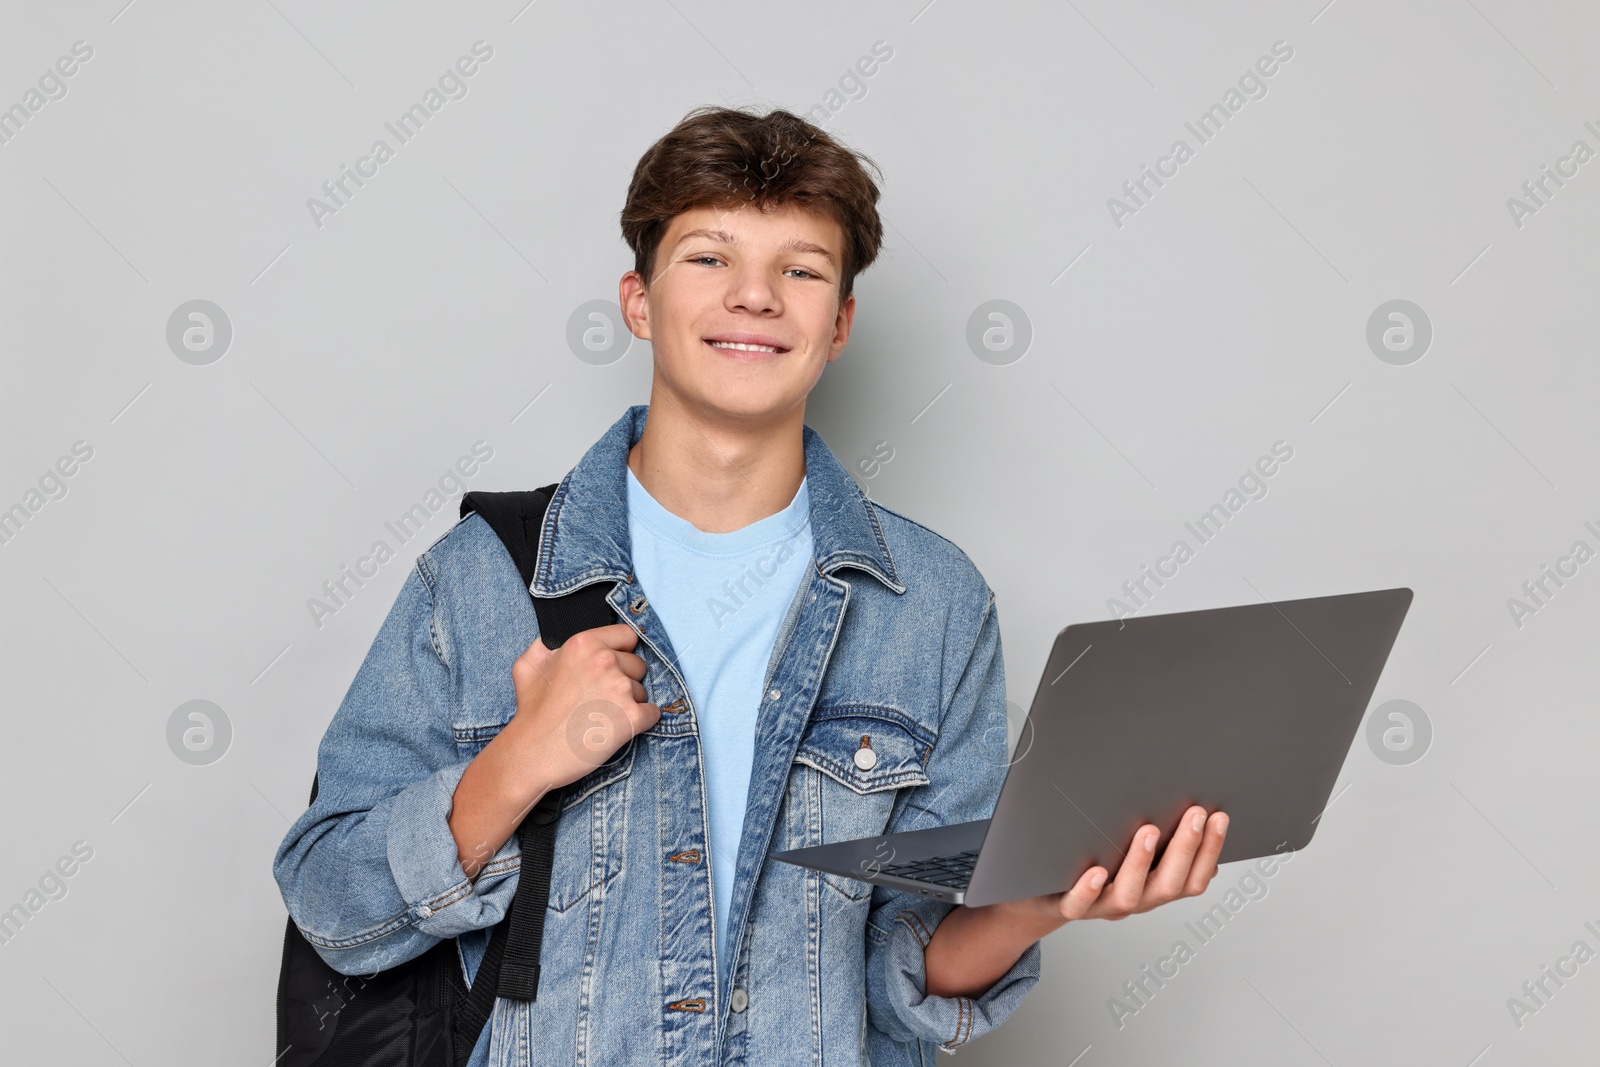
778 526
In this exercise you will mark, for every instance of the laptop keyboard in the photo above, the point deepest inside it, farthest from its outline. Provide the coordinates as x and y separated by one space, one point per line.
953 871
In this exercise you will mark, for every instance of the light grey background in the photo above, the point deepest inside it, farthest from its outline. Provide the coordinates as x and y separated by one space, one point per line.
1168 353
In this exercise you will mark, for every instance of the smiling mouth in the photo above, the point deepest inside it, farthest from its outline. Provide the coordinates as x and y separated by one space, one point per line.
737 347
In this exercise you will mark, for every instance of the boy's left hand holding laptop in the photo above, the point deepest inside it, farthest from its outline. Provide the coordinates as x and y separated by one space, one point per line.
973 947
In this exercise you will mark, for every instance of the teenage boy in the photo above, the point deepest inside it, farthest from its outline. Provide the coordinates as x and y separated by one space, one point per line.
791 664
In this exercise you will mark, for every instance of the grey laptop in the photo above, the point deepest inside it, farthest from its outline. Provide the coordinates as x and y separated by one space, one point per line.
1249 709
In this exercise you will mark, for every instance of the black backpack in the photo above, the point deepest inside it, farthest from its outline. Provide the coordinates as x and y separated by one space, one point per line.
421 1013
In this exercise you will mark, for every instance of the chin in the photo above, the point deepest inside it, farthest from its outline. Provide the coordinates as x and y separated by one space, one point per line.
748 403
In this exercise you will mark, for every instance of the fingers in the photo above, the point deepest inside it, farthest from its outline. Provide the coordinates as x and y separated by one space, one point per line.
1127 890
1187 866
630 664
591 652
618 635
644 716
1171 878
1204 867
601 646
1076 902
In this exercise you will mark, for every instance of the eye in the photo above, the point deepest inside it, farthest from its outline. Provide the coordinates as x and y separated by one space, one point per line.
802 270
702 259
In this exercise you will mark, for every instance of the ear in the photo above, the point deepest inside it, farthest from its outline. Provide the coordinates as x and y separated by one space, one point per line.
841 327
634 298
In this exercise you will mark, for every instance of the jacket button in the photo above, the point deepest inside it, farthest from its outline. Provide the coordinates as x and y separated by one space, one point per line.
866 758
423 911
738 1000
773 694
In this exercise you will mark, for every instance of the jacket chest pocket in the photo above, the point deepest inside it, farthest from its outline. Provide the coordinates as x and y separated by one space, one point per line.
591 831
851 763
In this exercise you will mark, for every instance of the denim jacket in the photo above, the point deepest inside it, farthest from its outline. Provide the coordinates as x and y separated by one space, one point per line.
892 635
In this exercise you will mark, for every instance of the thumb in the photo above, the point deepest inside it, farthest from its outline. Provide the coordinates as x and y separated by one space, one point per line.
530 664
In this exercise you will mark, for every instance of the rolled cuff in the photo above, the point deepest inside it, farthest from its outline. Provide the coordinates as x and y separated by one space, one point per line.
949 1021
440 900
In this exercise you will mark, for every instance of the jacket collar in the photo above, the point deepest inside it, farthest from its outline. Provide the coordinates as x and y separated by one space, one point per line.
585 535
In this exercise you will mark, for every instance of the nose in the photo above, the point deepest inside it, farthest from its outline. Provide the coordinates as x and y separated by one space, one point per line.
752 290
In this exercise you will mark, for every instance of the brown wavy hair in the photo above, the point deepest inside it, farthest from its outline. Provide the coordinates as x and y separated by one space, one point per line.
722 157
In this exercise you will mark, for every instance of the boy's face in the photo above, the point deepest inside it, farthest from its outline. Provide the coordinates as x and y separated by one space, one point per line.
738 275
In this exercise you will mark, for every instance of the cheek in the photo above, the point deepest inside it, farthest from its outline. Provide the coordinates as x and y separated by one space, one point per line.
821 323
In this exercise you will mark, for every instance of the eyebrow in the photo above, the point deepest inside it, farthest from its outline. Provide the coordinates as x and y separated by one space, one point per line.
793 244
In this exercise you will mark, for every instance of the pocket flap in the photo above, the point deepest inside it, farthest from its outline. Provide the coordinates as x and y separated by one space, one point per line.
618 765
900 747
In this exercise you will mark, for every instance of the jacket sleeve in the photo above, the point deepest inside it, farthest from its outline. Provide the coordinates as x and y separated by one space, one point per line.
965 772
370 873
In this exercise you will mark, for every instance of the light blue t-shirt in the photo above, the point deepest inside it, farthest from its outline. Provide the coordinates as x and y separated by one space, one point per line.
722 598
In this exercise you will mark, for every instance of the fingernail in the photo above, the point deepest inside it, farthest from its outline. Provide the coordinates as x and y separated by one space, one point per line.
1150 842
1222 825
1097 879
1199 821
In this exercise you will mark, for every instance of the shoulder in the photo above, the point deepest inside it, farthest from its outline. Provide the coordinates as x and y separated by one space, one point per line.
483 617
468 538
929 562
947 611
467 560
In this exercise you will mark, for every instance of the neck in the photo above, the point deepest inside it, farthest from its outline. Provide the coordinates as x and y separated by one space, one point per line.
720 474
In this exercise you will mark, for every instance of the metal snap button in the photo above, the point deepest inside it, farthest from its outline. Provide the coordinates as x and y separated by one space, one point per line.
423 911
638 604
866 758
738 1000
773 694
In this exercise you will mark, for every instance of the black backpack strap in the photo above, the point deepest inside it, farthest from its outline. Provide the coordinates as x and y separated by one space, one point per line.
518 518
519 970
510 966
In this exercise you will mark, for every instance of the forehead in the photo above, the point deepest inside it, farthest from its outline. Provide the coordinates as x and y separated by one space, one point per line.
748 224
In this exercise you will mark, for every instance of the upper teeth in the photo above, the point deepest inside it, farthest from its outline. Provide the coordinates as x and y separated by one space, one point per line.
744 348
